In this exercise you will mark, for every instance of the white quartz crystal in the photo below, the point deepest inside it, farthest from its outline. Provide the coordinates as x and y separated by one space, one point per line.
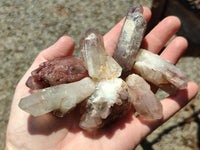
160 72
98 63
61 97
102 103
143 99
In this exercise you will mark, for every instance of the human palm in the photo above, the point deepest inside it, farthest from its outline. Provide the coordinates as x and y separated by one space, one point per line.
48 132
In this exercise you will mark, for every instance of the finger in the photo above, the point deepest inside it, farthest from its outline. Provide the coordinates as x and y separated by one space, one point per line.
175 49
172 53
158 37
111 38
173 104
63 47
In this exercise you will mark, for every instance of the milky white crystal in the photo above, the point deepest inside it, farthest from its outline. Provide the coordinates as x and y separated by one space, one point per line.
110 100
98 63
160 72
61 97
143 99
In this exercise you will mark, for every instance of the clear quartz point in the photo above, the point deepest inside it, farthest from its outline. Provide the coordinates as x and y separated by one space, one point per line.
143 99
160 72
61 97
130 39
99 64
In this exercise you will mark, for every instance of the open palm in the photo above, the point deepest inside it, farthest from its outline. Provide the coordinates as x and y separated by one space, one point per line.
48 132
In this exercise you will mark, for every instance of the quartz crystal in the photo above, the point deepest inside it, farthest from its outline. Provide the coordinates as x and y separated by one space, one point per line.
57 71
110 101
160 72
143 99
61 97
99 64
130 39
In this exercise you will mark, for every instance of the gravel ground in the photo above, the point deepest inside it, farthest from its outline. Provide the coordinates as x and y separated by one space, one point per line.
28 27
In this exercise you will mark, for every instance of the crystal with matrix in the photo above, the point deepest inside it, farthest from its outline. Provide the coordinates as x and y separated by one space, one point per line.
110 101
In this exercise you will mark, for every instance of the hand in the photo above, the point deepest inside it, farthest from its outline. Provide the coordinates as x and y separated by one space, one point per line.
49 132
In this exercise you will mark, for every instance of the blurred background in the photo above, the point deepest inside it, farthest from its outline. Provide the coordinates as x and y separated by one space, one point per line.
27 27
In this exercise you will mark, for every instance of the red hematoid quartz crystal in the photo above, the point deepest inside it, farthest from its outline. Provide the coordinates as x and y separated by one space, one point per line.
57 71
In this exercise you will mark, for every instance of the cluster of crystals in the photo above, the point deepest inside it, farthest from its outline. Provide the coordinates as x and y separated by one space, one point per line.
110 101
106 96
111 91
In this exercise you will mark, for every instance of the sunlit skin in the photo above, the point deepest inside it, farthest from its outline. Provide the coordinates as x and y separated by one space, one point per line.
47 132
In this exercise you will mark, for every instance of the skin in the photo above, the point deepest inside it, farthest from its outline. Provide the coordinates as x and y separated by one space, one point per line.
25 132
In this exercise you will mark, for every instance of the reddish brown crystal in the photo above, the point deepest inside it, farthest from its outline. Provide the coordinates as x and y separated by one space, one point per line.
57 71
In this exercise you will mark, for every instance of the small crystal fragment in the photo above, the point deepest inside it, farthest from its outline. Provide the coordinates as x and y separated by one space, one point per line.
160 72
57 71
99 64
61 97
143 99
130 39
110 101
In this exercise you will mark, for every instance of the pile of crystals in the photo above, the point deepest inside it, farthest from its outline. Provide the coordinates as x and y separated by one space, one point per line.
104 85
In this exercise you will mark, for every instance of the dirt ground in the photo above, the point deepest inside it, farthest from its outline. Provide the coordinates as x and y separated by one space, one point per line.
27 27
